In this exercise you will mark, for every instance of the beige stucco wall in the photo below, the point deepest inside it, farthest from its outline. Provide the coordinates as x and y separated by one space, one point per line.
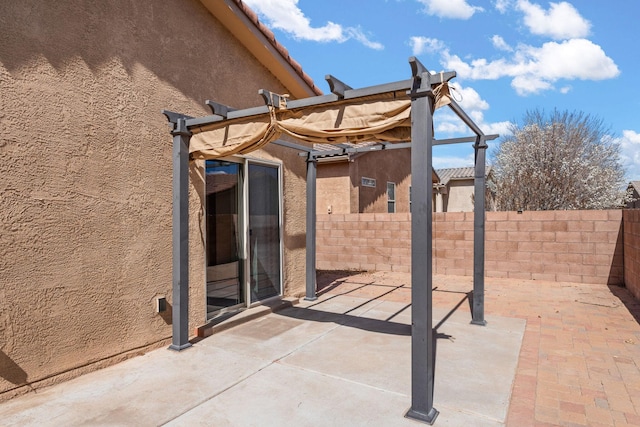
349 196
333 188
460 196
384 166
85 176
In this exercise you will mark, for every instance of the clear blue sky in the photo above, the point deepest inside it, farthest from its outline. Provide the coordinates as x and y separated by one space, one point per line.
510 56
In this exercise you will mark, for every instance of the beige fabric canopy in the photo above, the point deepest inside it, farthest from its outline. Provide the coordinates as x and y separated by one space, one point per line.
380 118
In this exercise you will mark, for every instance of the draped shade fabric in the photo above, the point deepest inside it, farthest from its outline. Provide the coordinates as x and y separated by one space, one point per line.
378 118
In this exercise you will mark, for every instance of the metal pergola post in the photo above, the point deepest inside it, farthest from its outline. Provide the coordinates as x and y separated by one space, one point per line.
477 310
422 337
180 323
311 229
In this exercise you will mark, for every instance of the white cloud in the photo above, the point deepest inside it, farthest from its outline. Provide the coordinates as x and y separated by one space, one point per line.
440 162
468 98
285 15
502 5
499 43
357 34
447 124
561 21
420 45
500 128
529 84
630 152
535 69
454 9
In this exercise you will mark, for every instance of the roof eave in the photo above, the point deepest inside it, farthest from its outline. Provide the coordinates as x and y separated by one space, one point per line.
236 17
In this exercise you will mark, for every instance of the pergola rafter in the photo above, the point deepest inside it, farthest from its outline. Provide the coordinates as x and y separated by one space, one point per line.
424 92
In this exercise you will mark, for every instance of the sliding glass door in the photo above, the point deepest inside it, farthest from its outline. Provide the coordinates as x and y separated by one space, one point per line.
225 281
243 234
264 231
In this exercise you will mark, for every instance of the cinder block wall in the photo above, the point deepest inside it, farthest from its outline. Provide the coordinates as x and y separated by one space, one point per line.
572 246
631 223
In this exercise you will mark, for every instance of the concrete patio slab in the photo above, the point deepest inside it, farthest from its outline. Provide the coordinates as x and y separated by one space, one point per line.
475 366
145 390
341 360
271 337
322 400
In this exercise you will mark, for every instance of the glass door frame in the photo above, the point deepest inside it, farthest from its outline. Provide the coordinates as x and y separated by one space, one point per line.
247 275
243 225
242 253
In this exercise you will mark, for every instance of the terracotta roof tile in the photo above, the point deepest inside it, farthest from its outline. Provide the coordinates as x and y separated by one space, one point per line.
447 174
267 32
253 17
296 66
282 50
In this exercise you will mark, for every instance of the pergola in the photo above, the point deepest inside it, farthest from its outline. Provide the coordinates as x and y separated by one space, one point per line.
391 115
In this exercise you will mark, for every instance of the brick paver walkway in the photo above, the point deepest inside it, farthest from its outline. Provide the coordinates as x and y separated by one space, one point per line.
579 364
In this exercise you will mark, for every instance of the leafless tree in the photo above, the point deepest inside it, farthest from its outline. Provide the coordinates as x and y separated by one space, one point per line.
564 160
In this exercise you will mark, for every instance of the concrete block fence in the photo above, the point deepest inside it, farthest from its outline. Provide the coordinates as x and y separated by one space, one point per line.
567 246
631 226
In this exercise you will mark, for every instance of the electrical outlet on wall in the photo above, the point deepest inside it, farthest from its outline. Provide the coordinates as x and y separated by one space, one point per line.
161 304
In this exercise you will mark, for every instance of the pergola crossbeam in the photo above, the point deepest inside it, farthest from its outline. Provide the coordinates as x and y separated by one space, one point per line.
463 139
398 88
465 118
208 120
364 149
305 150
393 146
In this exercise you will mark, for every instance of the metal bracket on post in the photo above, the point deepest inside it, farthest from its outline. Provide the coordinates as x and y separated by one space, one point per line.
310 294
423 80
173 118
421 85
477 309
273 99
336 86
180 239
219 109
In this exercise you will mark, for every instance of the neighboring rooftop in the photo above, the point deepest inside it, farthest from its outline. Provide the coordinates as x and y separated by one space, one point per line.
448 174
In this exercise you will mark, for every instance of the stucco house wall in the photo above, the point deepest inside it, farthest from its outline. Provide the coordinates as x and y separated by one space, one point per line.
385 166
86 176
460 196
339 182
333 188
